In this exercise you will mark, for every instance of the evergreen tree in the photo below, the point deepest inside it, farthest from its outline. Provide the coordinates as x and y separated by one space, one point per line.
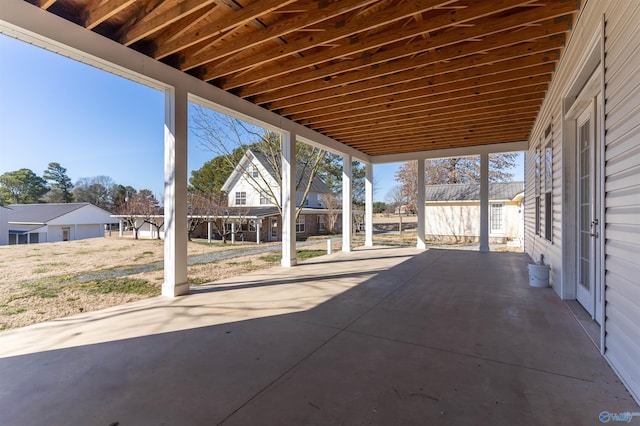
60 184
22 187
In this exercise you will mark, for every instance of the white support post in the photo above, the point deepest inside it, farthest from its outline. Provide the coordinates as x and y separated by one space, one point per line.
484 202
233 232
120 228
368 205
347 220
258 222
209 231
289 257
421 244
175 194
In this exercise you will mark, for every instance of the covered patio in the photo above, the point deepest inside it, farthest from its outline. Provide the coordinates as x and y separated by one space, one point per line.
376 336
389 336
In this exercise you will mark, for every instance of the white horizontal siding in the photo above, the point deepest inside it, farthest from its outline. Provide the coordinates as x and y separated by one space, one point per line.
622 190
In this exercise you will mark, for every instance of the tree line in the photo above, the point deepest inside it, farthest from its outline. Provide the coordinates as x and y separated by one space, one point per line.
23 186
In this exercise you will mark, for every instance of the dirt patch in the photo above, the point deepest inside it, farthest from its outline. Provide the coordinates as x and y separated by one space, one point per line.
38 282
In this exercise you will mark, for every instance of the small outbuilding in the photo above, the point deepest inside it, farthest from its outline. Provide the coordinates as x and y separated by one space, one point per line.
40 223
452 212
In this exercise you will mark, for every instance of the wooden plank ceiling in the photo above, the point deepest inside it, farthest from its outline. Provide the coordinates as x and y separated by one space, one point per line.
383 76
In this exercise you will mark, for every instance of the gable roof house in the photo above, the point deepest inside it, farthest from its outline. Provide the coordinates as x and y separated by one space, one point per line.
39 223
254 183
452 212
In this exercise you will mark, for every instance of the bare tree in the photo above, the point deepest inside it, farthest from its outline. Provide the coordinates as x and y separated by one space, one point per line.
223 135
333 204
140 208
397 200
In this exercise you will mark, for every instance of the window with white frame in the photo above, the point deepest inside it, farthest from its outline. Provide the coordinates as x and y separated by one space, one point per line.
548 189
300 224
253 172
264 199
538 184
252 226
241 198
497 218
322 224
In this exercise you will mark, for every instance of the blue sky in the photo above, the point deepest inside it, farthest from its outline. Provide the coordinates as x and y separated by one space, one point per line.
53 109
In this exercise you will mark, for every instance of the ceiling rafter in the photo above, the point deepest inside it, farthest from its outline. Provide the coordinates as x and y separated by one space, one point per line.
160 18
439 60
285 26
400 108
442 124
498 61
427 113
452 90
98 11
206 30
45 4
393 35
343 29
383 76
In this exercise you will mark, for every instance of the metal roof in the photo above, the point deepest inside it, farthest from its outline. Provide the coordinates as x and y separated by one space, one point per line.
40 213
471 191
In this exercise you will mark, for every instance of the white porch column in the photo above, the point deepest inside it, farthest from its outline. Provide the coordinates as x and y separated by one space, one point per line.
258 223
484 202
209 232
120 228
347 219
175 193
368 205
289 200
421 244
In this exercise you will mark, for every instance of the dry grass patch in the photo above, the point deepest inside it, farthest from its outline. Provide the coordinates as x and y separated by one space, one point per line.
40 282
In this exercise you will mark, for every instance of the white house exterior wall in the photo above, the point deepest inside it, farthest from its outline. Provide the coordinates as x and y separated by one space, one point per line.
622 190
4 227
620 232
462 220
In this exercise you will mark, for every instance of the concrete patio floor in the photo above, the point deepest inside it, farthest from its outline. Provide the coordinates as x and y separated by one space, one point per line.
379 336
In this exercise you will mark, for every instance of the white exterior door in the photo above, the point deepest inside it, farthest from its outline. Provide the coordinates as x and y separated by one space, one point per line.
588 211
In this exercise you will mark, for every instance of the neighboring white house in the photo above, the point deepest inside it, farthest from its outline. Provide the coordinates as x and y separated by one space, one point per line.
452 212
4 226
40 223
254 184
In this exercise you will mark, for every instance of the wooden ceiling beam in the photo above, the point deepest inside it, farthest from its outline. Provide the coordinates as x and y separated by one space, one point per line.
343 29
479 101
167 45
380 120
447 58
423 96
45 4
490 65
199 55
97 11
404 107
160 18
494 27
359 45
479 119
433 144
477 129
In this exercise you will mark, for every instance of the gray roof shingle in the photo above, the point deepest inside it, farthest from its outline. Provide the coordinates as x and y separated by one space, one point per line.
471 191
